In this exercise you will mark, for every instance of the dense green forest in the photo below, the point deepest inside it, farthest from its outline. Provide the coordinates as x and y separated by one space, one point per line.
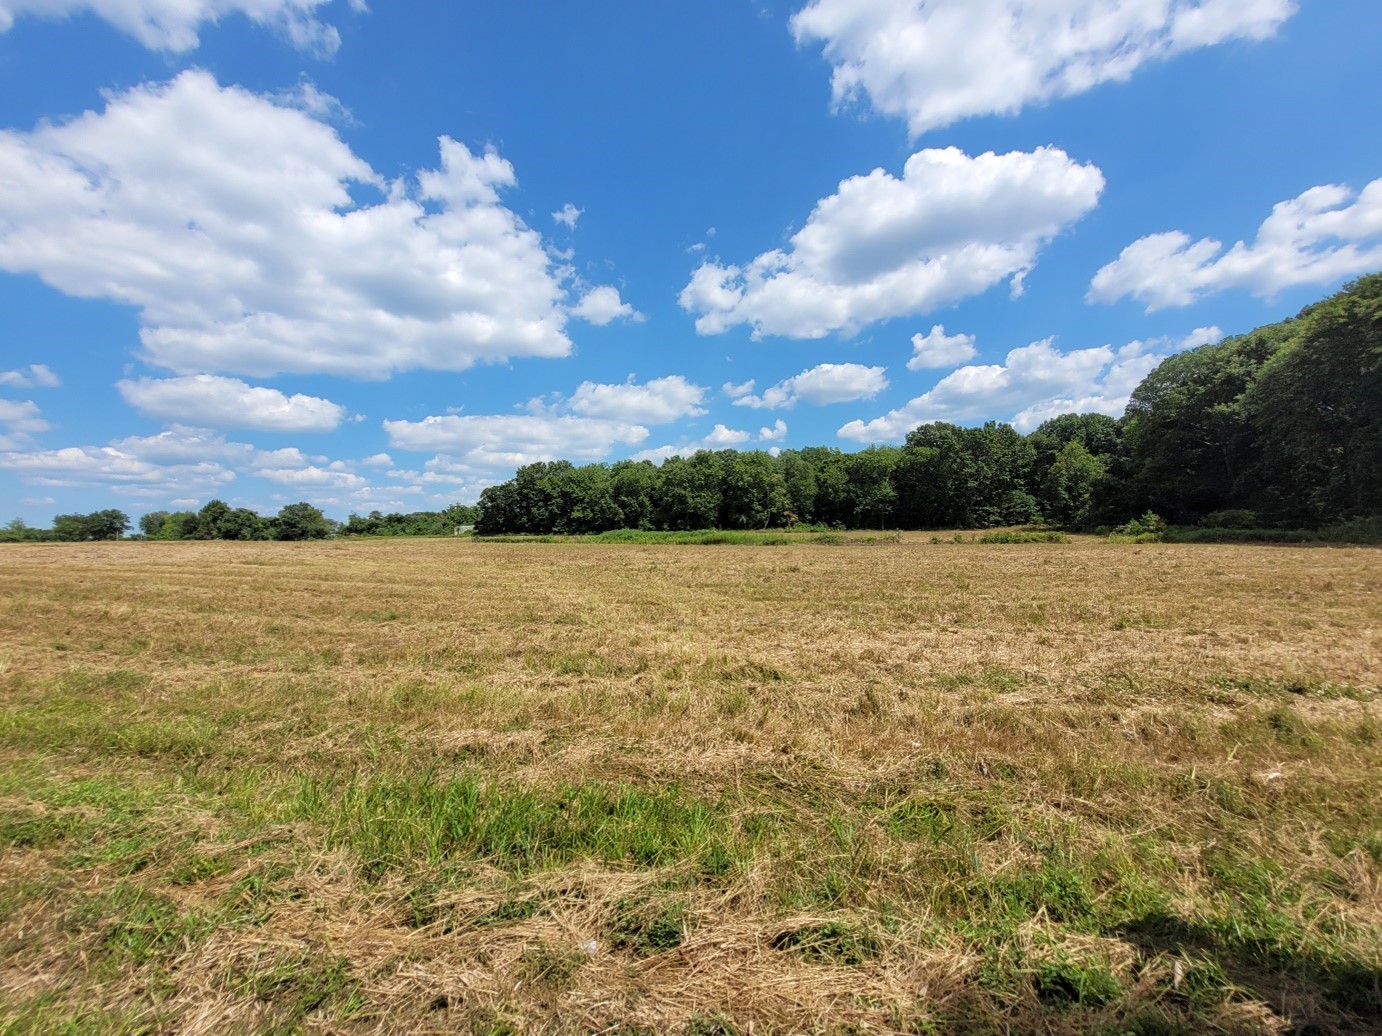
1278 428
1281 427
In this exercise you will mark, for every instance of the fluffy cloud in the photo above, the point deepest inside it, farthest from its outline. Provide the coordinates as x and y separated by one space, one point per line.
173 24
882 246
587 426
659 401
938 349
1034 383
1202 336
323 107
19 421
182 444
313 477
721 437
1322 235
183 462
934 62
229 221
118 469
776 433
602 305
445 479
21 417
567 216
819 386
498 441
36 375
230 403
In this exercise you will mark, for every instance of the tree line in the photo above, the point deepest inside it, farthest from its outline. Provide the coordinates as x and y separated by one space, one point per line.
217 520
415 523
1281 427
1277 428
944 476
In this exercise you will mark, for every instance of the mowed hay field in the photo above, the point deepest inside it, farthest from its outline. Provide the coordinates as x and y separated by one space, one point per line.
915 787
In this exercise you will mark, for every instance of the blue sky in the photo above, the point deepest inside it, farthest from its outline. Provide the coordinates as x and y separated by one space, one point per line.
375 257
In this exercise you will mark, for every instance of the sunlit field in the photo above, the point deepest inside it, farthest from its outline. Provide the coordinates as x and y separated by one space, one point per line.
876 784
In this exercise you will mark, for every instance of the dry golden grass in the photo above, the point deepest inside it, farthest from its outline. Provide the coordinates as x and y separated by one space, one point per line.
445 785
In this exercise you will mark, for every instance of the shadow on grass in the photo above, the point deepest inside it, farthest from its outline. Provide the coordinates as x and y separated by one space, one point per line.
1319 993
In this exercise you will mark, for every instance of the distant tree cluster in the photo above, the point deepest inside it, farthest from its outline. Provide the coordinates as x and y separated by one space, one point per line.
219 521
416 523
216 521
1279 427
944 476
109 524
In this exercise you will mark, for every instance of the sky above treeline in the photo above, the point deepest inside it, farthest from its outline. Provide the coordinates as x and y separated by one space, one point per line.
378 256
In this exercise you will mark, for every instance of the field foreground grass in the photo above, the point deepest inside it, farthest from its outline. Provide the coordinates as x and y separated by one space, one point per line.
896 787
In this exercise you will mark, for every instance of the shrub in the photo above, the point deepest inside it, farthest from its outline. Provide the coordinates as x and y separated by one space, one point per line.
1024 536
1149 528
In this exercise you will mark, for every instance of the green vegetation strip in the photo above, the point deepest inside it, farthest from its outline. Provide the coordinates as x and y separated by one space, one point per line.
391 822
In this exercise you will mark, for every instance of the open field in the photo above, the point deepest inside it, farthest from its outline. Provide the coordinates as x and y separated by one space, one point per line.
443 785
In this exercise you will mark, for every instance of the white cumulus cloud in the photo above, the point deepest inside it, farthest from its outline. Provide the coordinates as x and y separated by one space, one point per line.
229 222
21 417
658 401
938 349
933 62
1033 383
173 24
18 422
36 375
602 305
119 469
820 385
230 403
499 441
1325 234
776 433
567 216
586 426
721 437
313 477
883 246
187 463
1202 336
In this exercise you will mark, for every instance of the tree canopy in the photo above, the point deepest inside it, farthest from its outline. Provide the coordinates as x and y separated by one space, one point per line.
1282 425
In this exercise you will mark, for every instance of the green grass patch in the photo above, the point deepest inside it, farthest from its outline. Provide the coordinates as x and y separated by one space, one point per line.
830 942
1065 981
646 925
64 721
49 1015
136 925
399 822
1024 536
550 965
298 984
